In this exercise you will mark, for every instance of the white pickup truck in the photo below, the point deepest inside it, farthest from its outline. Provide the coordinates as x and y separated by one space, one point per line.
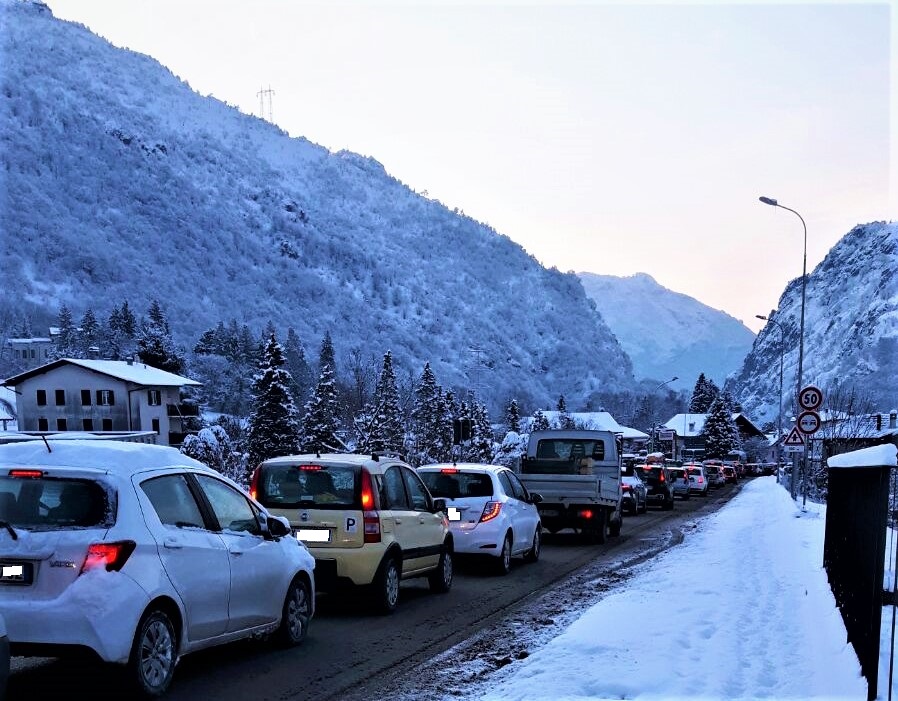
578 475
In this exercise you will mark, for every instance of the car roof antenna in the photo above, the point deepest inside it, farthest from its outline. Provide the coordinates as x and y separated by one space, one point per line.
49 449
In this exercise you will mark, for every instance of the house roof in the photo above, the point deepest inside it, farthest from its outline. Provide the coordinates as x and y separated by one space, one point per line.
137 373
681 424
595 420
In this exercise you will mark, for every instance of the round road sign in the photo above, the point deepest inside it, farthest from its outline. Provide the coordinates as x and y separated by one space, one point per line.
810 398
808 422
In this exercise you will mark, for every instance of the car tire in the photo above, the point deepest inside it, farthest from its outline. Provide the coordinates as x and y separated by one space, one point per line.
668 505
614 527
645 506
533 554
440 580
296 615
503 560
154 653
686 496
598 532
386 585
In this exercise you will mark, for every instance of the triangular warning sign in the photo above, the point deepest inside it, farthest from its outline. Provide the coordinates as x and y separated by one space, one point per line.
794 437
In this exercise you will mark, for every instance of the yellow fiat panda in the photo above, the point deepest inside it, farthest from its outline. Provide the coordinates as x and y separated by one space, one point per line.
368 520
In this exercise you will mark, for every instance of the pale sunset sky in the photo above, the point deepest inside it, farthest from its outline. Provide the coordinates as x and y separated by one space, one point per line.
606 137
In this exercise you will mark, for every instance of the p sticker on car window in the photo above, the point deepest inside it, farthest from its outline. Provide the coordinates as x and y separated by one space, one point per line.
351 526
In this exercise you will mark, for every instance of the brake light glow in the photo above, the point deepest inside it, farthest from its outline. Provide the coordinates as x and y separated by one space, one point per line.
662 476
449 470
370 517
26 473
701 479
490 511
310 468
254 483
586 513
627 488
112 556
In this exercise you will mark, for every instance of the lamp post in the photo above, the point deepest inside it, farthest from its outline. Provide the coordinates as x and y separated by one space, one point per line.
672 379
779 420
804 279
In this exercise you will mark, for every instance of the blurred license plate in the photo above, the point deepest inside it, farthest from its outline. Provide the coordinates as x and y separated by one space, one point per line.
15 572
548 512
314 535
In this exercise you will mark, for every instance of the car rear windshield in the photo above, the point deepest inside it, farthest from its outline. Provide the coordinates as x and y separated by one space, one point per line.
695 471
49 503
310 485
650 473
457 485
565 456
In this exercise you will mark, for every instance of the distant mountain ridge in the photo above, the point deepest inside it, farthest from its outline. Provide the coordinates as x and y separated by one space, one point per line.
121 183
668 333
851 329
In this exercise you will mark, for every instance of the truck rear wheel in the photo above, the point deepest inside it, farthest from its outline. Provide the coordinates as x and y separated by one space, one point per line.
615 526
597 530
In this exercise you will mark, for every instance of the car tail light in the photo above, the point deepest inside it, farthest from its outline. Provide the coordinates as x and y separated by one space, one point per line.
33 474
701 480
370 516
112 556
449 470
662 476
490 511
627 488
254 483
310 468
586 513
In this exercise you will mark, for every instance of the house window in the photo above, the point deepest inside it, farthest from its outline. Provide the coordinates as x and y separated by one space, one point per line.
42 425
32 353
42 397
61 425
154 397
156 425
107 424
60 397
85 397
87 424
105 397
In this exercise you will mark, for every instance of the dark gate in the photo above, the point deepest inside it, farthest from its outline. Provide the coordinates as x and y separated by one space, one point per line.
854 557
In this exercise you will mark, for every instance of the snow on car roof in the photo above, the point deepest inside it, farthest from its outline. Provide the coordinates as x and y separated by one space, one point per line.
115 456
481 467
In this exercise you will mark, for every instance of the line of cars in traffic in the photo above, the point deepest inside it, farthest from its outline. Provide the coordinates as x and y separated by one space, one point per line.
661 482
140 555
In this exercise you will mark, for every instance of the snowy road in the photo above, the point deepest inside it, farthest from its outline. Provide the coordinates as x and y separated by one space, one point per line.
351 654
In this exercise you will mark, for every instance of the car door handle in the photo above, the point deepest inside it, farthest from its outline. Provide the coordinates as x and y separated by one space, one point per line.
172 544
421 518
236 553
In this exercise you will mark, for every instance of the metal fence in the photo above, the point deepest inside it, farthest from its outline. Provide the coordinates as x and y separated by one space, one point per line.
854 557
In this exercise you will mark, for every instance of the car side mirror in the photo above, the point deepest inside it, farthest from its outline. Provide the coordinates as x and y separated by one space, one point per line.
278 526
439 505
535 498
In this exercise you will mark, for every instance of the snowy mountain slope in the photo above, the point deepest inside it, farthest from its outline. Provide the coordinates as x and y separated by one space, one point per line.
851 328
121 183
667 333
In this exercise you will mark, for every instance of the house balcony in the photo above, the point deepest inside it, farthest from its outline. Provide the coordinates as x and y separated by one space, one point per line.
182 410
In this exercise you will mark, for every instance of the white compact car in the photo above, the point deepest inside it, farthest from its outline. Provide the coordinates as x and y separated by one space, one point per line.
141 555
489 510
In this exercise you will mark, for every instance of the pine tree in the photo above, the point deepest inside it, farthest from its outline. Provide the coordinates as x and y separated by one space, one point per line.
88 334
539 422
565 420
273 424
213 446
298 366
155 346
321 420
429 420
67 341
513 417
326 356
720 432
482 448
379 426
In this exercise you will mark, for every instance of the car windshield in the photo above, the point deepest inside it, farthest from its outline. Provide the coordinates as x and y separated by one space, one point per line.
322 486
649 473
456 485
49 503
694 471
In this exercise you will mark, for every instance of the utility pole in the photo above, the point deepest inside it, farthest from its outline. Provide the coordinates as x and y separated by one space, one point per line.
262 95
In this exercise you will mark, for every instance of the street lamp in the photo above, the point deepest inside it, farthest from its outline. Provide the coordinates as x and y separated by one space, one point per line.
672 379
779 424
804 280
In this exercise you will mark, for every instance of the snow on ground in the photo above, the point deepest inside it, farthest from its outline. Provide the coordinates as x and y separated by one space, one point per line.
740 610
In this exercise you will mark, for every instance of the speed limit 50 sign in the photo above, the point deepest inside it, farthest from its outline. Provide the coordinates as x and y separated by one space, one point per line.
810 398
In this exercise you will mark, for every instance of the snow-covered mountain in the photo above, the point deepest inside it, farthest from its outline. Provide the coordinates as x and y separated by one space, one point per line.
667 333
119 182
851 329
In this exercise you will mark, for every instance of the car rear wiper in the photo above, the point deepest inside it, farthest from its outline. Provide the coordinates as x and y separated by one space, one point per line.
8 527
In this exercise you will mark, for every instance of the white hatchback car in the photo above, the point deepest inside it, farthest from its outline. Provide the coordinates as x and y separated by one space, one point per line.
489 510
140 554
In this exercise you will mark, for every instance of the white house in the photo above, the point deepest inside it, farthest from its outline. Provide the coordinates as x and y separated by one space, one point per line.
102 395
